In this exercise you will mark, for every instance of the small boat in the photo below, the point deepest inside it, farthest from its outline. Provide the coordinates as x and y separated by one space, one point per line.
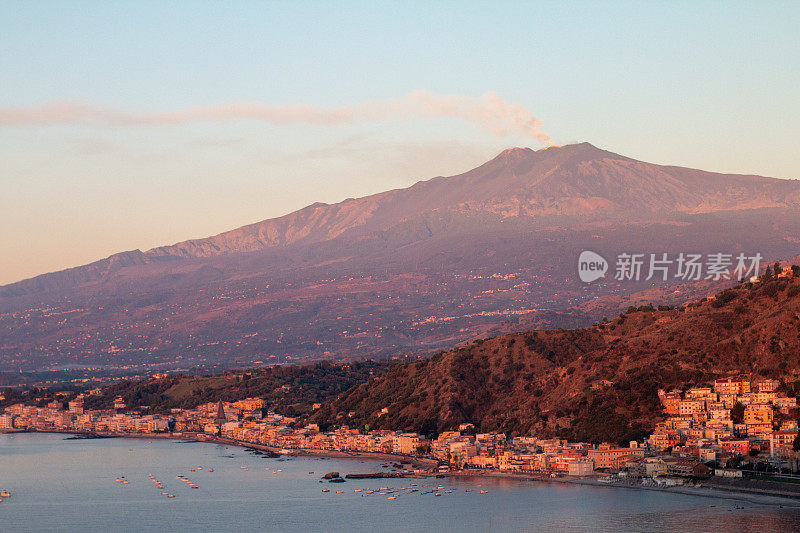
437 494
199 468
165 493
326 490
125 482
357 490
170 495
210 469
484 491
5 494
339 492
392 498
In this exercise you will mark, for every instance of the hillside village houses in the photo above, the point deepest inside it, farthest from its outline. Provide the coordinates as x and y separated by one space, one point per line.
702 419
699 429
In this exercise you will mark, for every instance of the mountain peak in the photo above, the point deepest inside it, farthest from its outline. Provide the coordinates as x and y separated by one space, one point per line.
515 151
584 149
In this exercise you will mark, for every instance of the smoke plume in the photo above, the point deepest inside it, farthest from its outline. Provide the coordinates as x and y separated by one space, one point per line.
489 112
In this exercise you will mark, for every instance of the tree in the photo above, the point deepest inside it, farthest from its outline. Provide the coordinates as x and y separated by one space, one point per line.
737 413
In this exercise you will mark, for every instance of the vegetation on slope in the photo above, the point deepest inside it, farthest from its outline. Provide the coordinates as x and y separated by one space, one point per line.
540 382
289 390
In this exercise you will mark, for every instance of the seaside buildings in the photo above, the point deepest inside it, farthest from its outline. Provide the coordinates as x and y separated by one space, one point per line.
704 426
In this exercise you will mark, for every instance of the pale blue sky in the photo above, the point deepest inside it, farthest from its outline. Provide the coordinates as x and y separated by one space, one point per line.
712 85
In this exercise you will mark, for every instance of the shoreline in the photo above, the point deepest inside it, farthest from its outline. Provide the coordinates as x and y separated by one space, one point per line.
417 462
702 489
420 463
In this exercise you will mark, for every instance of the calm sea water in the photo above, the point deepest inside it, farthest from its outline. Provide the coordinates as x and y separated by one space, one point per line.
68 485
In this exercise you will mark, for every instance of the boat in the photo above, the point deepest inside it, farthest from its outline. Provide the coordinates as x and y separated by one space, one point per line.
165 493
170 495
484 491
326 490
339 492
5 494
357 490
392 498
210 469
437 494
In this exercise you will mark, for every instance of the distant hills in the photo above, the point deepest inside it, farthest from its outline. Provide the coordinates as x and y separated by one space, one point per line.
541 382
406 271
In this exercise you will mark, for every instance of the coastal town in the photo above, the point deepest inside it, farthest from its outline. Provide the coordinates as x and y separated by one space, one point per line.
716 430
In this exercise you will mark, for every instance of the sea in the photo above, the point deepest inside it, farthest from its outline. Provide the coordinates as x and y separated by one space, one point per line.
62 484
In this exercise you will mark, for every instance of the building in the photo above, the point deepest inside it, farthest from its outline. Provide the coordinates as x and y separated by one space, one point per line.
580 467
681 467
606 456
758 413
407 443
6 421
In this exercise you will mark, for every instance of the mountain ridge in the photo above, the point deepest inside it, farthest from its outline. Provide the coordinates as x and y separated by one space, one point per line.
578 180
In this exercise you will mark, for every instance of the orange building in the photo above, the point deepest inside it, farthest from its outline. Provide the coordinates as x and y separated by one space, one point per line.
606 456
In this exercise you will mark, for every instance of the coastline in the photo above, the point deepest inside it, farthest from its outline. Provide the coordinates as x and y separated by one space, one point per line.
702 489
705 489
420 463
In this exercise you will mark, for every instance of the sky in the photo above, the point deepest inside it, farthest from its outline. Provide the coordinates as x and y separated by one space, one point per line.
128 125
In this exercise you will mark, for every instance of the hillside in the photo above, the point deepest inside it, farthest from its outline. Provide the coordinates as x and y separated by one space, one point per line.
408 271
290 390
540 381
